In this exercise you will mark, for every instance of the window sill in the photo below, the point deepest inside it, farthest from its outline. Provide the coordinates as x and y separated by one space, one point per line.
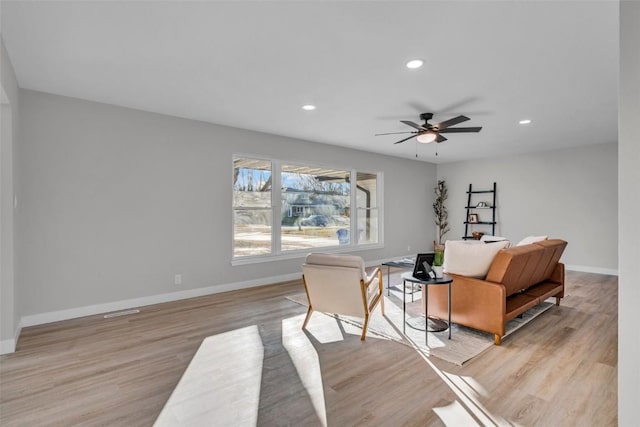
303 253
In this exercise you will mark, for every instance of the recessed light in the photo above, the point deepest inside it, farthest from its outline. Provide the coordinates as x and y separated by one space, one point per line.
309 107
525 122
415 63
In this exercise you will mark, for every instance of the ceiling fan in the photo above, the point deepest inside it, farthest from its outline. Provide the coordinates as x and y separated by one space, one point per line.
428 132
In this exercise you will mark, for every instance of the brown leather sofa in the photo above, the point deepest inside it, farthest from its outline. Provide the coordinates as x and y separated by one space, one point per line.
519 278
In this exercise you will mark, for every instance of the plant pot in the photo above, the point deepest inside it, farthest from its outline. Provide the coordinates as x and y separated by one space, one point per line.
438 271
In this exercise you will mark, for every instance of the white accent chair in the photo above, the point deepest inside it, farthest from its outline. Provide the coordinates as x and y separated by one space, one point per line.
339 284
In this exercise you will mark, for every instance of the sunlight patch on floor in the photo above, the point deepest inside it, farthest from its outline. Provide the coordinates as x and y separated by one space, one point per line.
221 385
454 414
327 329
474 386
305 359
468 391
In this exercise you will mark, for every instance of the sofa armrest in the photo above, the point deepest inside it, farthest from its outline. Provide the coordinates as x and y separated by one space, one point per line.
558 277
474 302
558 274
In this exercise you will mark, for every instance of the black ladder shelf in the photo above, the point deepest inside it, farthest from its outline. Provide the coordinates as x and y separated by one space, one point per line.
473 208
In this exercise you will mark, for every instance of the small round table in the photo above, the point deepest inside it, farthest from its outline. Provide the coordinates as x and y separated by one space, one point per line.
441 325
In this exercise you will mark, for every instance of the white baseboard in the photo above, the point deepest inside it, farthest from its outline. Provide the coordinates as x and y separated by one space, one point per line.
588 269
7 346
56 316
73 313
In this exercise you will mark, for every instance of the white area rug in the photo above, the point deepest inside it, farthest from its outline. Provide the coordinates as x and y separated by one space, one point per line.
465 343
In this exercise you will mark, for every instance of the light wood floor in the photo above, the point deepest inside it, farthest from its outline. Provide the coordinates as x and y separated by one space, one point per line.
559 370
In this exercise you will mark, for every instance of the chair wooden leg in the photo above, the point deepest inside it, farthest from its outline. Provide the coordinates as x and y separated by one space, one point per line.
498 339
364 326
306 319
558 301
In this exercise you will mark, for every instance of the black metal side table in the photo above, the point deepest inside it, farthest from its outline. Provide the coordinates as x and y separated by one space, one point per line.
407 265
444 280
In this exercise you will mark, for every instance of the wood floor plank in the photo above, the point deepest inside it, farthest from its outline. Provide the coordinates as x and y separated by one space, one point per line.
561 369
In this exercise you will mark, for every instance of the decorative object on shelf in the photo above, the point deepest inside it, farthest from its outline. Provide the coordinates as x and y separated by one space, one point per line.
473 218
482 205
477 235
441 213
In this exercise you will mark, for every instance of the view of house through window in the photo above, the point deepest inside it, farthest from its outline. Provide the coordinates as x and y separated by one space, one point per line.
314 207
252 207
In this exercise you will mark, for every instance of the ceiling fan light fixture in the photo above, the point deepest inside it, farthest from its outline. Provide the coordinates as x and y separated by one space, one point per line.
427 137
415 63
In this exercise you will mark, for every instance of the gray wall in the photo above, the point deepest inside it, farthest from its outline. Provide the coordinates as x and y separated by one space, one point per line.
629 159
8 137
116 201
570 194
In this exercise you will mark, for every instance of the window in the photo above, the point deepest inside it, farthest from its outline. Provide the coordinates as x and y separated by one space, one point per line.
321 199
252 207
367 206
313 205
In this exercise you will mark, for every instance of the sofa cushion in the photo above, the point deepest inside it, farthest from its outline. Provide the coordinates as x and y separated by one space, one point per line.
531 239
553 251
470 258
514 267
520 267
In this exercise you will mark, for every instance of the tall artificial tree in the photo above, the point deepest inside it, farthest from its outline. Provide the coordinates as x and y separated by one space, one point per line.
440 211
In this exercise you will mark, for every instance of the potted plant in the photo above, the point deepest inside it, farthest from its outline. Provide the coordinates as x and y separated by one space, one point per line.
441 220
438 260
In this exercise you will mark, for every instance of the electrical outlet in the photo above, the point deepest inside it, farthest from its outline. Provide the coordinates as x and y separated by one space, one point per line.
177 279
408 248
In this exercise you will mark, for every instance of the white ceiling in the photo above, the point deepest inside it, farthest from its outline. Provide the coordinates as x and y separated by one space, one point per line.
254 64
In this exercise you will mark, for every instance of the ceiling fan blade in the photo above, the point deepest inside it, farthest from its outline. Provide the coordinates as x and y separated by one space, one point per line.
452 122
460 130
440 138
393 133
413 125
406 139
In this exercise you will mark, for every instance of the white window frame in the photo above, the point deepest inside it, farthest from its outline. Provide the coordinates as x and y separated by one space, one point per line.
276 213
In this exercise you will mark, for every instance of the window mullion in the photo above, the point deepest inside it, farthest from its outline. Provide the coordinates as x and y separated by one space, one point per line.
353 189
276 209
